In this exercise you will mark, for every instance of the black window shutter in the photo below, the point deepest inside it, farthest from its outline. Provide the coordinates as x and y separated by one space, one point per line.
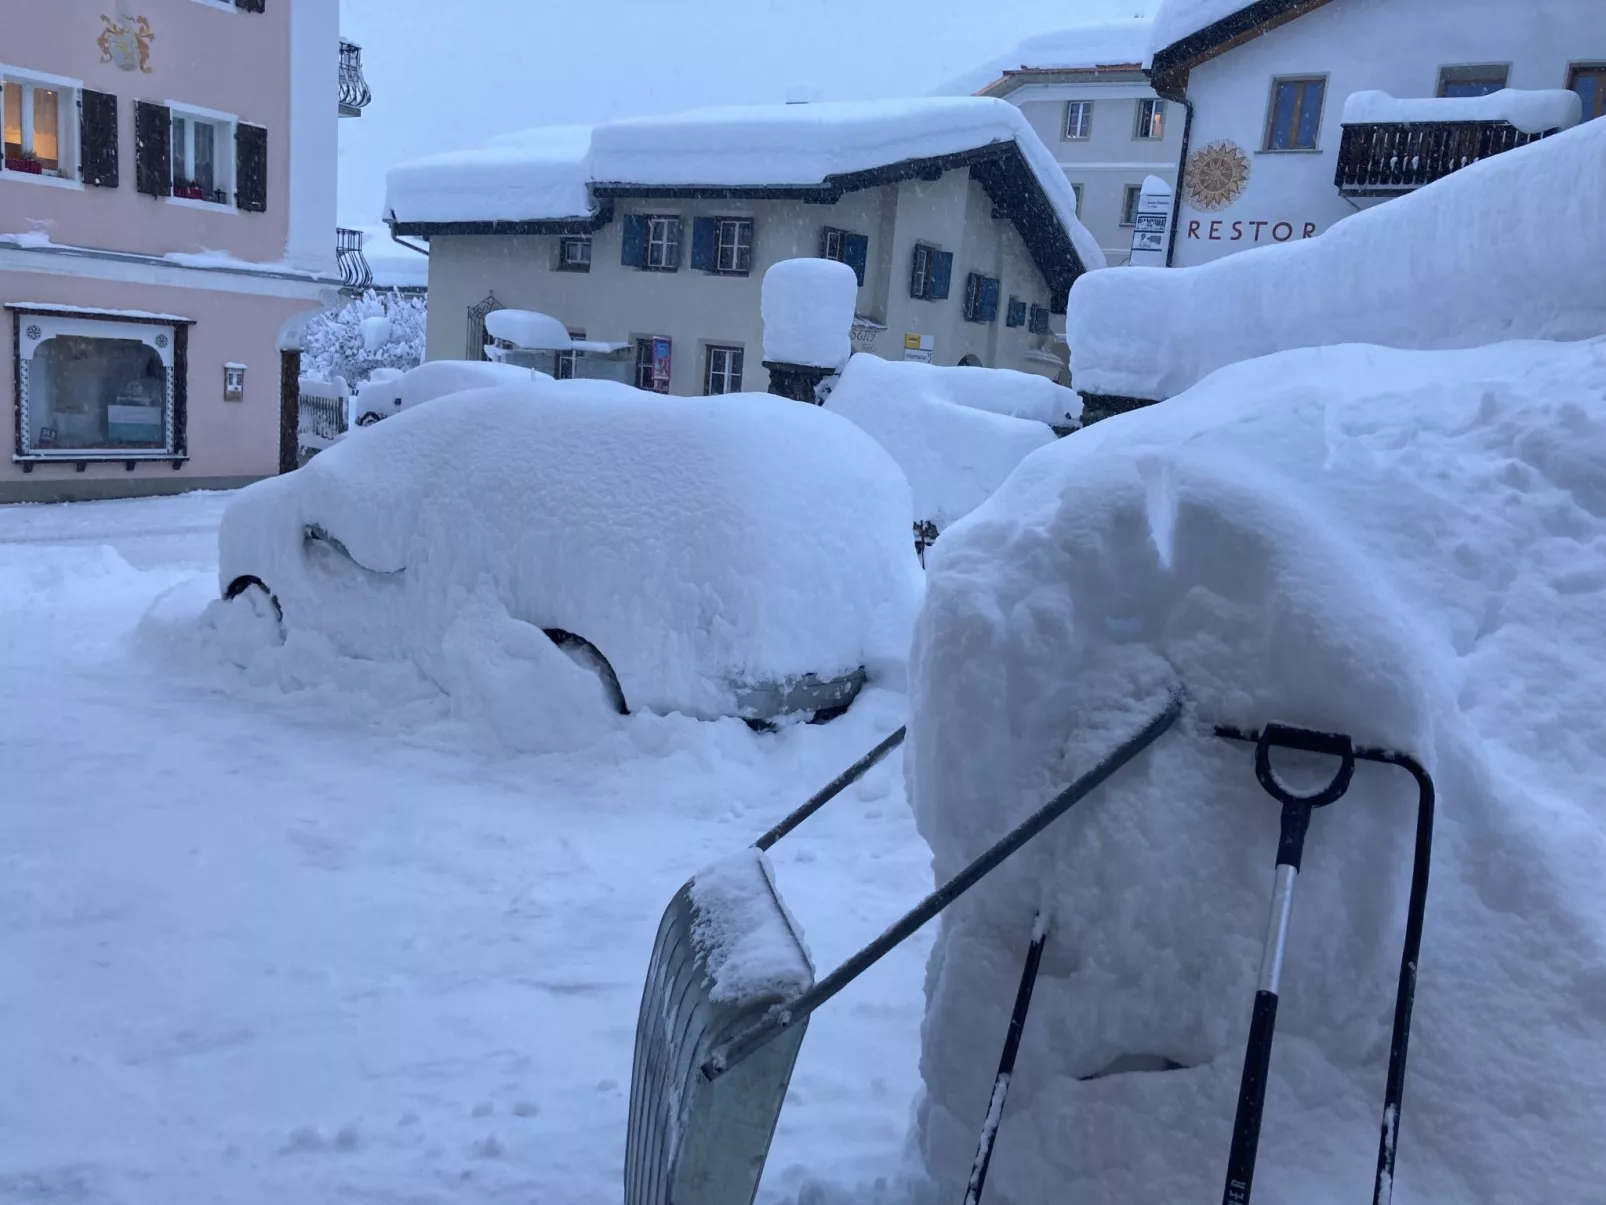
942 271
633 252
251 168
97 138
989 299
251 6
856 254
703 231
153 155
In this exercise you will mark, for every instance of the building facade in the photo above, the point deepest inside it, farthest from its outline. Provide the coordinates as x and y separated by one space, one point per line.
167 217
1269 156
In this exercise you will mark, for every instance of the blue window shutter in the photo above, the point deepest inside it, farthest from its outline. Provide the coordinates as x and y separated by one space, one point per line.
702 244
1017 313
633 254
942 271
989 299
857 254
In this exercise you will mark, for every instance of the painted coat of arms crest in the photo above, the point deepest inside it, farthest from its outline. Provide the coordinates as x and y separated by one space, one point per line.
126 41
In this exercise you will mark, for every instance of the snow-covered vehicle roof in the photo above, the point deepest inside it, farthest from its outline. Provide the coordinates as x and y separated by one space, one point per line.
1123 42
388 395
718 552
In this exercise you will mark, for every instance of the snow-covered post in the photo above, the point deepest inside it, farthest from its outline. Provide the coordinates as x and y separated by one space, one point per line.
807 305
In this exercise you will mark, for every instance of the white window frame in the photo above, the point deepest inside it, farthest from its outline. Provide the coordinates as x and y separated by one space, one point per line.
925 259
718 364
1085 107
569 242
1076 191
34 329
658 227
225 154
739 245
67 105
1144 131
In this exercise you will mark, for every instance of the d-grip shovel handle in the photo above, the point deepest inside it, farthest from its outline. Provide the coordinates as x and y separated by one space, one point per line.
1297 807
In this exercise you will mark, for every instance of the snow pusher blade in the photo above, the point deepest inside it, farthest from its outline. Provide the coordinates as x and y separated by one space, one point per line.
691 1140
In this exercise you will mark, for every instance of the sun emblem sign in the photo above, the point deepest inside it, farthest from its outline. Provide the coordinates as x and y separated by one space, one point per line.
128 46
1216 176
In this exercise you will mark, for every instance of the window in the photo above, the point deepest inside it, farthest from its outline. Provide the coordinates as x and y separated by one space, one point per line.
1296 114
1016 315
1078 120
733 245
38 128
574 254
1589 81
981 298
724 371
1151 119
1038 323
1129 203
1076 190
846 248
663 244
202 157
564 363
652 364
929 273
1472 81
98 389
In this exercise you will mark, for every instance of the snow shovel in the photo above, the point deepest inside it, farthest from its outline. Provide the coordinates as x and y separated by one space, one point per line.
1296 815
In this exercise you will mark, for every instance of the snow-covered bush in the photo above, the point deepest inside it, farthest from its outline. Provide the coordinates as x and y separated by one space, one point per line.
376 330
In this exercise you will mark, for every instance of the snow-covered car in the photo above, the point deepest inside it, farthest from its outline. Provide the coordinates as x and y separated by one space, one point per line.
388 392
733 556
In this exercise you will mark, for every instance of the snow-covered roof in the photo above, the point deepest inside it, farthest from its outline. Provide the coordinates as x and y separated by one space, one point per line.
394 266
533 175
1178 19
1120 43
1532 112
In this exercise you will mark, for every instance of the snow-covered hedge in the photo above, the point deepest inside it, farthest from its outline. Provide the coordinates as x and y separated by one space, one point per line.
376 330
1508 248
1406 546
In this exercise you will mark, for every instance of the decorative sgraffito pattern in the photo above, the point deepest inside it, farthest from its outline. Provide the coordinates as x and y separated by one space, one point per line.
1216 176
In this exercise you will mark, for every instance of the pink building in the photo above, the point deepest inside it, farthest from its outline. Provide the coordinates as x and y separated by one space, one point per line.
167 224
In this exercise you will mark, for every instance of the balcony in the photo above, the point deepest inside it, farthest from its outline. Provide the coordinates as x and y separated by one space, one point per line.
354 93
1386 159
355 273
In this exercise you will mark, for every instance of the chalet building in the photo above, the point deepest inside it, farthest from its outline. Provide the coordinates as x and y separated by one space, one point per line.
1086 93
1284 132
167 218
648 240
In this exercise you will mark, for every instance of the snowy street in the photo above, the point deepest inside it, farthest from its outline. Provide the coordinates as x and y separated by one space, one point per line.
274 946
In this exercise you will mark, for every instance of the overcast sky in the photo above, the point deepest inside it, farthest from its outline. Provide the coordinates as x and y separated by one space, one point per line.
447 76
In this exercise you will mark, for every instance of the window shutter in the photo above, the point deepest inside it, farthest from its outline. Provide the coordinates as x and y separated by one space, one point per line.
153 156
250 6
989 300
703 231
97 136
856 254
1017 313
251 168
942 271
633 252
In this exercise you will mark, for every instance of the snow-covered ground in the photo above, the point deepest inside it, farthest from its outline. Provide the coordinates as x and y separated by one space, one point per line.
333 945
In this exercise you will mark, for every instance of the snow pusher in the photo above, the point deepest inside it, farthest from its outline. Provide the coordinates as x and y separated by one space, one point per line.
712 1068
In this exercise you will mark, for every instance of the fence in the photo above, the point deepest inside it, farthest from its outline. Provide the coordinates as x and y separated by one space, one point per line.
1385 158
320 416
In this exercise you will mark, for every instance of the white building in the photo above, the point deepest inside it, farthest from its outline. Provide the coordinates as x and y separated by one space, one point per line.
652 236
1270 155
1085 92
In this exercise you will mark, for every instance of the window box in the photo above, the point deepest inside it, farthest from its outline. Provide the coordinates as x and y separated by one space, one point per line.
98 387
24 163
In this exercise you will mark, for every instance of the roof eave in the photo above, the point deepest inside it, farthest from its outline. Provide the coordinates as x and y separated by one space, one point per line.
1170 66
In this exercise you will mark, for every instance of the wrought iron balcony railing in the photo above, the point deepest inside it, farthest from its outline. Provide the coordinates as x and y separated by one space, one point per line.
354 269
1385 159
354 93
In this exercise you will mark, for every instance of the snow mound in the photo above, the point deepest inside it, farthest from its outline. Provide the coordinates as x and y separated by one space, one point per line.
1407 546
533 175
706 547
739 921
1118 43
954 455
1475 258
528 329
807 305
1532 112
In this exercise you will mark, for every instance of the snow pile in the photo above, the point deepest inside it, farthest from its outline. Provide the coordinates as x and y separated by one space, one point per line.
534 175
1504 249
705 548
1532 112
807 305
1118 43
749 943
954 455
386 395
528 329
347 342
376 331
1406 546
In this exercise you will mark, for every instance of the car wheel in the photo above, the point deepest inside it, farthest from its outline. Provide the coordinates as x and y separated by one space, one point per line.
369 419
583 653
254 593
